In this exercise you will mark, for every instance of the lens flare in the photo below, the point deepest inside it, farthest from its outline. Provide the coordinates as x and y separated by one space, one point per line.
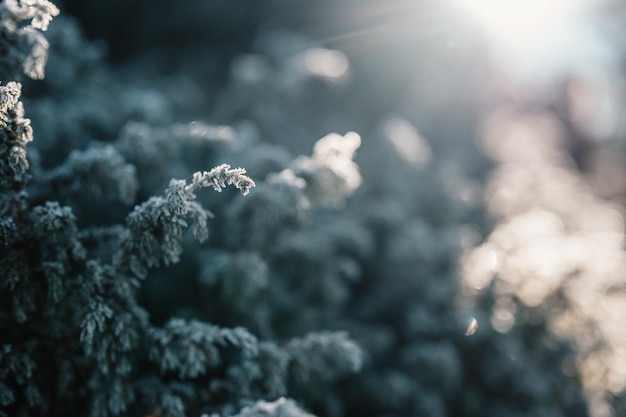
472 326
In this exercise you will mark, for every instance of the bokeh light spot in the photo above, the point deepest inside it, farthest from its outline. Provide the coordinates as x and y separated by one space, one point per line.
326 63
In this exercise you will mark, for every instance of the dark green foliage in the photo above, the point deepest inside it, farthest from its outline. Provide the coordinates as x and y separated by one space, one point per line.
99 173
189 348
74 339
329 276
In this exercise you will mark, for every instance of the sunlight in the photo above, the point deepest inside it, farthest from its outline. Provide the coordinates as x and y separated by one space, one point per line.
519 21
535 35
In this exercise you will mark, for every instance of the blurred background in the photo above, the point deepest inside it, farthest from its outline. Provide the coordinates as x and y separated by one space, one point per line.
509 114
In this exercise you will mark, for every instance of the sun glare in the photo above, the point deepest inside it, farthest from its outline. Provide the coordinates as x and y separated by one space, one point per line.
544 35
518 21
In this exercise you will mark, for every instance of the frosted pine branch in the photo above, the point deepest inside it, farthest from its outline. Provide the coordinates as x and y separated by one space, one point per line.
192 347
15 133
98 172
221 176
324 356
39 12
157 225
282 407
28 48
9 96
